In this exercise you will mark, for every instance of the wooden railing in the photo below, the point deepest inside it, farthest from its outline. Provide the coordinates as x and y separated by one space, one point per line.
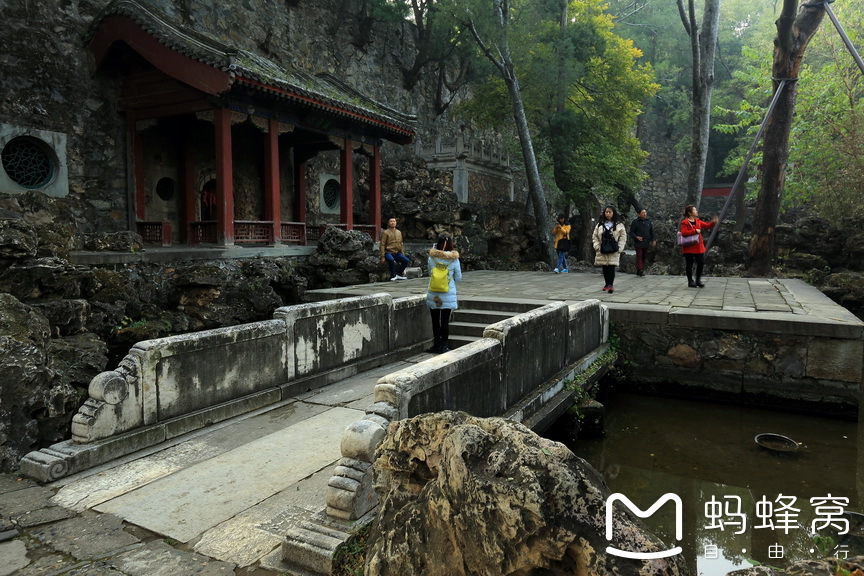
294 233
155 232
253 232
202 231
261 231
314 233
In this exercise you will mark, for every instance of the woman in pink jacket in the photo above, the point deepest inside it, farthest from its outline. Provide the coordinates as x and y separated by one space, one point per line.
695 252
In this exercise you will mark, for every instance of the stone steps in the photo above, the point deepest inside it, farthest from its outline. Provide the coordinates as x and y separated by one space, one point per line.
473 316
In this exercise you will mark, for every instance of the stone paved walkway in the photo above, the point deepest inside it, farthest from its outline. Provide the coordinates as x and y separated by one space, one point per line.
741 295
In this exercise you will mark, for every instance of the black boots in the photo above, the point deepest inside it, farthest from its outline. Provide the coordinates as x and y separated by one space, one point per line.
439 346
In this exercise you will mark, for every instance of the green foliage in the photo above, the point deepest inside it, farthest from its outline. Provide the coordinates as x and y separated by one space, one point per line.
350 557
589 123
824 545
582 87
387 10
128 323
656 28
581 383
754 85
826 150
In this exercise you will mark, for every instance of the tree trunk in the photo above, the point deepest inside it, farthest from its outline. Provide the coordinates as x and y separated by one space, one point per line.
740 209
793 35
532 173
588 210
703 40
535 185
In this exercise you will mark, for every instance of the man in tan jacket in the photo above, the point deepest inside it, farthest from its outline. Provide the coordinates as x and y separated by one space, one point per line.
391 251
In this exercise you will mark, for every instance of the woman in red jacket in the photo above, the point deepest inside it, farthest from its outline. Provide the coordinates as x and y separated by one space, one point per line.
695 252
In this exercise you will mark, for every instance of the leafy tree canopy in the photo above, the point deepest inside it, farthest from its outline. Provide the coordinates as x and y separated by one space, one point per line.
583 89
826 155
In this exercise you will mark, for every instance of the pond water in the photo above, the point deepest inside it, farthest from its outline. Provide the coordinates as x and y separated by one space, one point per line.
741 503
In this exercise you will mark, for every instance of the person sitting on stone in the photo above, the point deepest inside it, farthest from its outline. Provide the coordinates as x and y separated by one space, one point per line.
391 248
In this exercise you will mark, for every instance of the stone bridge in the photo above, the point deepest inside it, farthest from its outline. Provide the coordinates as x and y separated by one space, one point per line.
253 444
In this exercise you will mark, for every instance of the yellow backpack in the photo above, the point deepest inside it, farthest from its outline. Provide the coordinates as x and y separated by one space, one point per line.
439 278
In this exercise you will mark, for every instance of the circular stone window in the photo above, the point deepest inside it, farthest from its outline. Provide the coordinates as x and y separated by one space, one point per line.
165 189
330 193
29 162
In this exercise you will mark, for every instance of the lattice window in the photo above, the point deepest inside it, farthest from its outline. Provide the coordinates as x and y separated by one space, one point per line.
28 162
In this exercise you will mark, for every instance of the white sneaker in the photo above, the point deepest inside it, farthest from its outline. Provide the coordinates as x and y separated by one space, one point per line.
556 271
400 277
394 278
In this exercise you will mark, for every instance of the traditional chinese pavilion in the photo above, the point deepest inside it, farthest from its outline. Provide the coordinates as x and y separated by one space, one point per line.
219 138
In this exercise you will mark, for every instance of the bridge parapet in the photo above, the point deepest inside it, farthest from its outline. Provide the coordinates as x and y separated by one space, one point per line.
169 386
519 369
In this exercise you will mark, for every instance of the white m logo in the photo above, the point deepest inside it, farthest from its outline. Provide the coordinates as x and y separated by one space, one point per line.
610 501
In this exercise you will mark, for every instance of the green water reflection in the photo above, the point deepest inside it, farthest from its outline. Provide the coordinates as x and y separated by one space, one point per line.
706 454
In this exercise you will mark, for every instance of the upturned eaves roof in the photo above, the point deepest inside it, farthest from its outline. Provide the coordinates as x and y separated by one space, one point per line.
319 91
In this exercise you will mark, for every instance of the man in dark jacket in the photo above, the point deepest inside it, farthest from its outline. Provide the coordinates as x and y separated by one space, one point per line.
642 232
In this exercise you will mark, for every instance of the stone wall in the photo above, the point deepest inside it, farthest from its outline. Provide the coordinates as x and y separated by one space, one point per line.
664 190
764 361
46 83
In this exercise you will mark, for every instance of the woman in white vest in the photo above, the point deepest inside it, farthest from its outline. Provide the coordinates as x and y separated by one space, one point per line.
442 301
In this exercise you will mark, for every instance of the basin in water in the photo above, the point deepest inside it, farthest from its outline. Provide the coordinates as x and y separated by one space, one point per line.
776 442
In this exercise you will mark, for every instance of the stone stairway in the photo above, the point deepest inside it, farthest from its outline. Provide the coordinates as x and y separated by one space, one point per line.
468 323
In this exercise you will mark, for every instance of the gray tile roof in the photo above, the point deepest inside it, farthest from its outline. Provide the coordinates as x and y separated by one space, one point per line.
319 91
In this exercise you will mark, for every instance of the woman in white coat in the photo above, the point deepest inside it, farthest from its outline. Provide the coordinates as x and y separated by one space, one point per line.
609 239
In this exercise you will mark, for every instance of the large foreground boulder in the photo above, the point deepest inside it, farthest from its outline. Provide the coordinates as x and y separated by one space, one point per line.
486 496
827 567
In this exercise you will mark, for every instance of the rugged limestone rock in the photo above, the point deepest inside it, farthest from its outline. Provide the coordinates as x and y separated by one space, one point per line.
46 279
26 378
343 258
66 316
463 495
494 235
114 242
57 226
828 567
17 239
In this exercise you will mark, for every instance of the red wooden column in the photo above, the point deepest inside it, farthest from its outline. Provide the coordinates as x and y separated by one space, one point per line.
300 188
272 197
346 185
190 199
375 188
224 179
140 204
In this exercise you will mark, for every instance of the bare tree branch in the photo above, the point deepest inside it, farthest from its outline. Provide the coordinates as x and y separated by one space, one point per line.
682 12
